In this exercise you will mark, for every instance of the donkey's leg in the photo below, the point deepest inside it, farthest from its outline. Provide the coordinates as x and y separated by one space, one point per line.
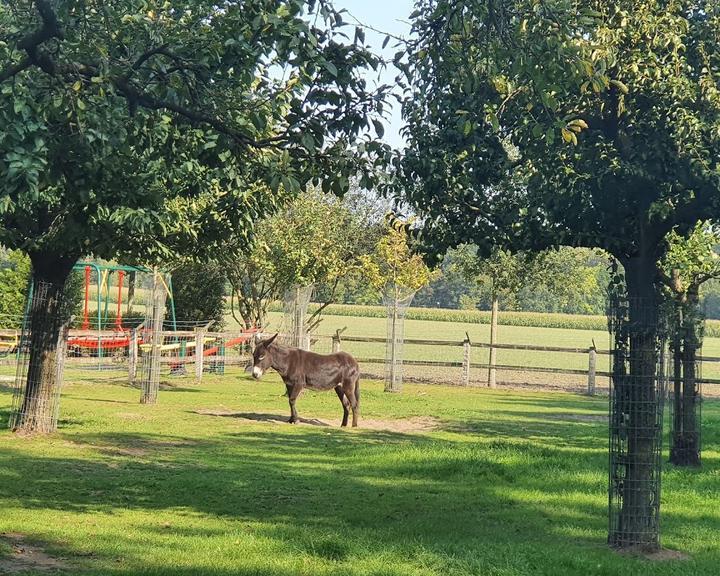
293 393
345 404
349 389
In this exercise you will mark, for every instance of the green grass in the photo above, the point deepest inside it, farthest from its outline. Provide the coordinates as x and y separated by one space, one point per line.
509 484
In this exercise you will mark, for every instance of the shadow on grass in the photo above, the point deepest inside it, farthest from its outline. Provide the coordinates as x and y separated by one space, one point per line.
259 417
340 496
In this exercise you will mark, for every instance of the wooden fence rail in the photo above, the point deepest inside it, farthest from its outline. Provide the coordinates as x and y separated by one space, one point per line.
467 365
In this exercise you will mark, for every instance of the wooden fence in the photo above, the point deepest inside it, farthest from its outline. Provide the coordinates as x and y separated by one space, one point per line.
422 362
468 368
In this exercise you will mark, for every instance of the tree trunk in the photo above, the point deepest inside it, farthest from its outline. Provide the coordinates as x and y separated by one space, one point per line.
640 403
677 380
38 408
493 339
685 449
132 278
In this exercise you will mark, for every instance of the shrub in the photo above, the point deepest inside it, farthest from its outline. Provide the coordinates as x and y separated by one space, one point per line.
14 277
199 293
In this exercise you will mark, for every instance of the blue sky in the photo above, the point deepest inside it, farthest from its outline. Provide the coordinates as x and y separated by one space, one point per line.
389 16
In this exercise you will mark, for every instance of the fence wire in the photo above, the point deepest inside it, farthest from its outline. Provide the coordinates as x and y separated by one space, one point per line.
40 355
638 387
396 300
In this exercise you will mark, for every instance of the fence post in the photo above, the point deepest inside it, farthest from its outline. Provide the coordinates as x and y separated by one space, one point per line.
221 356
592 362
336 343
493 340
466 360
199 349
132 356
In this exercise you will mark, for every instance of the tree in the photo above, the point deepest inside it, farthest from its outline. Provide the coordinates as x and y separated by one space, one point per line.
139 131
314 239
575 282
451 289
688 264
535 124
395 266
504 274
396 270
199 292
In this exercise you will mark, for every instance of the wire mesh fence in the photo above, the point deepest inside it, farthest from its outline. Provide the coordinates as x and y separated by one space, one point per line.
40 358
396 301
638 387
685 390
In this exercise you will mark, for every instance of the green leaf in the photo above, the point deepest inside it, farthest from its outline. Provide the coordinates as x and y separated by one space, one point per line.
379 128
330 67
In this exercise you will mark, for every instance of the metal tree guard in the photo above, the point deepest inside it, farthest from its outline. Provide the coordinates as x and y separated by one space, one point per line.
36 397
152 333
295 305
396 300
637 390
685 393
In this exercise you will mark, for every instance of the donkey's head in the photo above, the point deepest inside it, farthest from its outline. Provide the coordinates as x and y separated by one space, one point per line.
262 357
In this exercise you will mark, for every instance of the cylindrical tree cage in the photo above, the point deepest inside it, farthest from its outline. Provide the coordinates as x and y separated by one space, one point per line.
295 305
685 394
396 300
152 334
41 359
637 390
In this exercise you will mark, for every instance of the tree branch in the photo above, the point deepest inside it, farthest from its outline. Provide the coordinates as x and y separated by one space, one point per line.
150 102
50 29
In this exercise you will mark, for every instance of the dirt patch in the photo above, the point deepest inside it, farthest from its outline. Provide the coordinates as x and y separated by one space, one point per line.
136 448
26 556
662 555
415 424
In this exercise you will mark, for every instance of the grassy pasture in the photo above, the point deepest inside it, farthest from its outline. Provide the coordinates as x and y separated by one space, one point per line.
504 484
432 330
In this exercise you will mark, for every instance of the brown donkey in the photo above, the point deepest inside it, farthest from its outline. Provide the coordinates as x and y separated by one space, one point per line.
301 369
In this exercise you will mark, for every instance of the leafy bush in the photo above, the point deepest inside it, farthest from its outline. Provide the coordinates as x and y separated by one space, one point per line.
199 293
14 277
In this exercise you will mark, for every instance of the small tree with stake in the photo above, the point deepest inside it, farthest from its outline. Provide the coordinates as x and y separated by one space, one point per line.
689 263
143 130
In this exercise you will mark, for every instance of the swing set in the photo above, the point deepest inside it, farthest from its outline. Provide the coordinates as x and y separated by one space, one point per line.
107 334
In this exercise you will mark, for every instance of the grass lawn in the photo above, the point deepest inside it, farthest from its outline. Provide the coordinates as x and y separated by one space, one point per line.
506 484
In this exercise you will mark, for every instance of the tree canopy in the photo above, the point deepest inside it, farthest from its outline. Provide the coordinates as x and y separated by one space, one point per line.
142 130
533 124
314 239
537 124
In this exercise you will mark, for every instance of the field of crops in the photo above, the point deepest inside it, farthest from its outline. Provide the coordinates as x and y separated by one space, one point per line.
508 318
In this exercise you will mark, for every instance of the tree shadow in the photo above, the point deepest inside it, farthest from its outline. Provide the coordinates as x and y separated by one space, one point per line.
343 496
259 417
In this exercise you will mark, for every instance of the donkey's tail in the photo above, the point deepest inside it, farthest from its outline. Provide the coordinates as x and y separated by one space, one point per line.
357 390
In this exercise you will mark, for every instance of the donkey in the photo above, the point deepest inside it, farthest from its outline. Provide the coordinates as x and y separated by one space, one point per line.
301 369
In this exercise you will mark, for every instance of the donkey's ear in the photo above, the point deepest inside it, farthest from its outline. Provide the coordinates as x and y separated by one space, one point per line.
270 340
